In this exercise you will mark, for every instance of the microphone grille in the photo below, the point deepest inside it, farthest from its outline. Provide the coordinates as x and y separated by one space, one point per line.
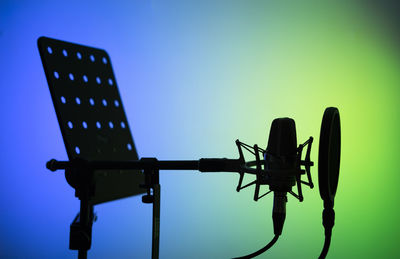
282 137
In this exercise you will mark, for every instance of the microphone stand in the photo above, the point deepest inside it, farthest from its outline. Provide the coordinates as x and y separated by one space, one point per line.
80 175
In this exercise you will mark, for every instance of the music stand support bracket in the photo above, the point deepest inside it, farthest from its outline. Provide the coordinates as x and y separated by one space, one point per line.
81 178
79 174
153 195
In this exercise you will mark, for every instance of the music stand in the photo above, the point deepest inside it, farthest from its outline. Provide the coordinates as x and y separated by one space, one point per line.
94 128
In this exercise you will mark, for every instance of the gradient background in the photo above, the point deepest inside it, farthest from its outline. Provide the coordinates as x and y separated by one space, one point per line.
194 76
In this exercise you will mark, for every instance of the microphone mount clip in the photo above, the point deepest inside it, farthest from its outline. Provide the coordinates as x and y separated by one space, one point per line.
257 167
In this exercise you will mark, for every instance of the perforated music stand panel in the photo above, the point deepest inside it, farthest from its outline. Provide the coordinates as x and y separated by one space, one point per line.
90 113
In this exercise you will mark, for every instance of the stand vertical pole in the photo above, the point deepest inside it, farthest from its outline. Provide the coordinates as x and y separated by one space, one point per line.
82 254
152 182
85 222
156 222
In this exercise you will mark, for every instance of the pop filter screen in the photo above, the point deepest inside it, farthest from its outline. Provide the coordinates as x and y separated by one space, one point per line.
329 154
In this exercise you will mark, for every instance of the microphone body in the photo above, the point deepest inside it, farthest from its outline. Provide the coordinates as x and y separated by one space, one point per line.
280 160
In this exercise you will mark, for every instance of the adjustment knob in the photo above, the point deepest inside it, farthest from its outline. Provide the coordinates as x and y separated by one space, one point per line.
147 198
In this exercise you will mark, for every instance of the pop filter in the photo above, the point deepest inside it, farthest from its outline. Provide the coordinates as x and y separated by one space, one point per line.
328 170
329 155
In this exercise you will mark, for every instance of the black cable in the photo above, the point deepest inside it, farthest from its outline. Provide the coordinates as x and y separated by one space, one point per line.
262 250
324 252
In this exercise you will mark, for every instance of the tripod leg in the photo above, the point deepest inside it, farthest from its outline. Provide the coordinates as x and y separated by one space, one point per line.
156 222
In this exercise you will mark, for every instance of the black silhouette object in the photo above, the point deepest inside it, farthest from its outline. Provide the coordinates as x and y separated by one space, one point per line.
94 127
103 163
282 170
328 170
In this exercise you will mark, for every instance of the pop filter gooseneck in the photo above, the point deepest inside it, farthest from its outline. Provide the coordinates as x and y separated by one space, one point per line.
328 170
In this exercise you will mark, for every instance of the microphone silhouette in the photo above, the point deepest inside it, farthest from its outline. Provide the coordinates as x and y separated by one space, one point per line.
280 161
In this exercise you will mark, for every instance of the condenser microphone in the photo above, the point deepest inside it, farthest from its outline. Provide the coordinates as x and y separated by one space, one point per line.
281 165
